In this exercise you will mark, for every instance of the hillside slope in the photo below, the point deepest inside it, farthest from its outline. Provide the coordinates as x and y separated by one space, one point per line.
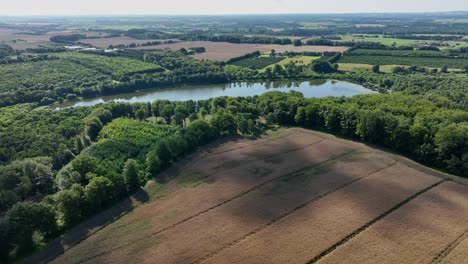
294 196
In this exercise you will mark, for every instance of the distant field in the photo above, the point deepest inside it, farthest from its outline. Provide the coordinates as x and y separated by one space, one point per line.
454 20
105 42
385 41
281 194
402 57
354 67
396 53
396 41
300 60
358 67
258 63
426 62
22 41
221 51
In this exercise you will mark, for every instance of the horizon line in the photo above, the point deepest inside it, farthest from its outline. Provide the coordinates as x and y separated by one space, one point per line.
233 14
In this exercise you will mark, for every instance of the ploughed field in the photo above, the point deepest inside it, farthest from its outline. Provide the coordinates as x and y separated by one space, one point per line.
222 51
295 196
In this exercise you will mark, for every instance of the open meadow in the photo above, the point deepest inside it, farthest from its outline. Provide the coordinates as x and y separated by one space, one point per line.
293 196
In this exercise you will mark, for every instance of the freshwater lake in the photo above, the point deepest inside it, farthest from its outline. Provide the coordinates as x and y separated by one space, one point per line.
316 88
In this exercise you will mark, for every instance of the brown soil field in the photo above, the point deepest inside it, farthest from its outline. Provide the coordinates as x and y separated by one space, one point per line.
221 51
105 42
312 230
293 196
24 41
416 233
455 253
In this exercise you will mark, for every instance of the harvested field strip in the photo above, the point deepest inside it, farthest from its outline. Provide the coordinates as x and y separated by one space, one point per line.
373 221
243 163
115 214
207 153
234 157
450 247
249 145
319 197
299 237
205 156
208 210
184 203
285 198
457 254
201 179
416 233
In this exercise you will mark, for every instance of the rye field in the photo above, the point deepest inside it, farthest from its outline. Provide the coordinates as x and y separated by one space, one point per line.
293 196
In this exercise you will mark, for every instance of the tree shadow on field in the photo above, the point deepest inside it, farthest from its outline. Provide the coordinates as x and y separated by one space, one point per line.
319 181
324 199
80 232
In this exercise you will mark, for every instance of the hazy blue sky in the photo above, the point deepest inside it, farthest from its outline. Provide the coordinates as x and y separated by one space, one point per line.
87 7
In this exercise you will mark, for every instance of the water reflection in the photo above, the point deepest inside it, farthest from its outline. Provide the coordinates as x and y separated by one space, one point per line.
314 88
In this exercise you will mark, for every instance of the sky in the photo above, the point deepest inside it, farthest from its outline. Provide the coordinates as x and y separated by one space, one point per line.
118 7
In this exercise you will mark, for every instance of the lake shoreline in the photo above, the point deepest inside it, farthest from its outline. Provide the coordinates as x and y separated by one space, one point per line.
315 88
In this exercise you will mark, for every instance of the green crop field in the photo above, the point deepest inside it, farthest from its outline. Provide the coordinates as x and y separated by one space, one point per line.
358 67
396 41
425 62
404 57
398 53
384 41
258 63
299 60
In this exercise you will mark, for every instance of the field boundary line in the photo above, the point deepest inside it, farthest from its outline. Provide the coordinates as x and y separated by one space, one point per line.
219 204
373 221
292 211
450 247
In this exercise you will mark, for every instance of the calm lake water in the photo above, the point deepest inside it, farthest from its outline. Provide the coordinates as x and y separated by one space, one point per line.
320 88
